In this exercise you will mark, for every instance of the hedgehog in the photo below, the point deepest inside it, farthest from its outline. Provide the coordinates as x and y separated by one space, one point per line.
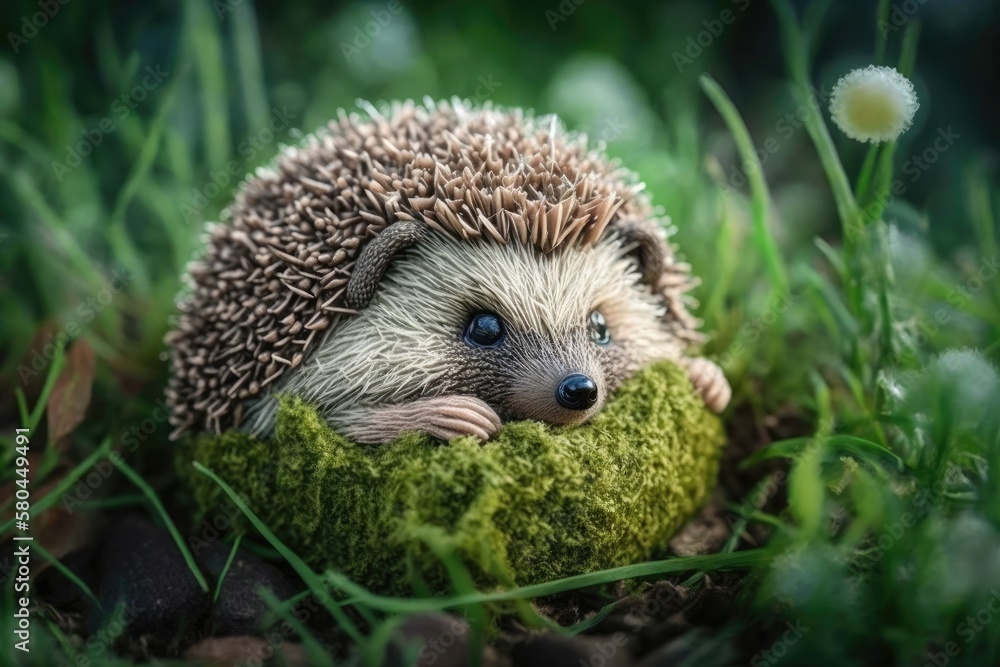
433 267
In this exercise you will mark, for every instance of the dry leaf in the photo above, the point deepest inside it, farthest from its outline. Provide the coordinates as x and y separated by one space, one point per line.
71 394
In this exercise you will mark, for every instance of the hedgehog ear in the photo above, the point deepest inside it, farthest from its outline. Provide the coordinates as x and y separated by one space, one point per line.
375 258
651 251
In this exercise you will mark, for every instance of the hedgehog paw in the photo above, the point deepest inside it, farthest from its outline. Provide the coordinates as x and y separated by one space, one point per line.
709 380
447 417
443 417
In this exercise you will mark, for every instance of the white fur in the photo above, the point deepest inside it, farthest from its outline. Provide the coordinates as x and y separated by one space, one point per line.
402 346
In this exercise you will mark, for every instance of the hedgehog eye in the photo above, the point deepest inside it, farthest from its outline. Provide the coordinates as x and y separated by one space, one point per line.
484 330
598 328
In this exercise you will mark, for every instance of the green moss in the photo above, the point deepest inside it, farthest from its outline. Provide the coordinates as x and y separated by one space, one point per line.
535 503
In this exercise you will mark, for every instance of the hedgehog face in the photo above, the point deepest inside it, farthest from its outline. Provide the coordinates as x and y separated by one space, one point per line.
535 336
522 371
561 379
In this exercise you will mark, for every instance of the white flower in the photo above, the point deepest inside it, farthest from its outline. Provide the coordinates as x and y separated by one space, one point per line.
873 104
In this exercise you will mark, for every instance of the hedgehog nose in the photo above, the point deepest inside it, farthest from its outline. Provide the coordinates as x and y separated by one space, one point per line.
577 392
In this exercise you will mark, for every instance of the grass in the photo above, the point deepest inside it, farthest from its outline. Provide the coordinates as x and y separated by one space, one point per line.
154 500
884 532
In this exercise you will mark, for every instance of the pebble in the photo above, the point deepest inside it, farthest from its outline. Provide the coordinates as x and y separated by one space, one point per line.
239 609
551 650
146 587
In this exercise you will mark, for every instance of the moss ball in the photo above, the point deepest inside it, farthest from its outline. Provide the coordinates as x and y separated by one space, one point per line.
533 504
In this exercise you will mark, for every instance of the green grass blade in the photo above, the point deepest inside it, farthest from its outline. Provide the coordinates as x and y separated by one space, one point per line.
248 63
462 583
762 517
144 486
792 447
908 51
106 52
203 39
736 527
63 641
806 490
796 57
832 256
734 561
886 167
121 244
846 326
225 568
311 579
881 40
22 406
593 621
867 170
725 250
812 21
33 199
66 572
314 650
760 197
55 369
15 136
